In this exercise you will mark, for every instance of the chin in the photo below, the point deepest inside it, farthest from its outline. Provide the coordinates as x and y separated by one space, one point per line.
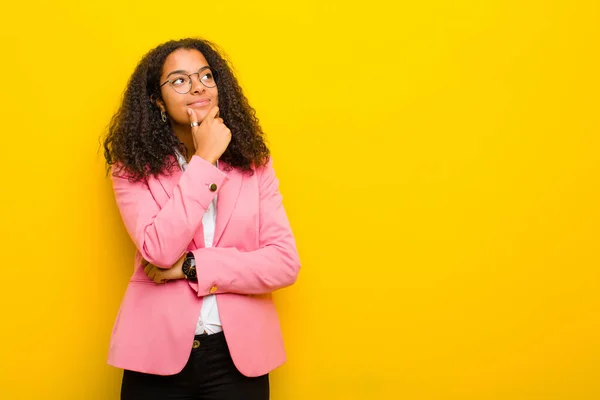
201 115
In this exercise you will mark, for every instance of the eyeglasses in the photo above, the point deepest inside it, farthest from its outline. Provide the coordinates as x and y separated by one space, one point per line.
182 82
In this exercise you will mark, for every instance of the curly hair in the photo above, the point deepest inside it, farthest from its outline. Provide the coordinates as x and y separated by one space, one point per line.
140 144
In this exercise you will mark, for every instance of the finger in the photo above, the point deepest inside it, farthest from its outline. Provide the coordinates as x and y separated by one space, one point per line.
193 118
219 120
211 115
148 269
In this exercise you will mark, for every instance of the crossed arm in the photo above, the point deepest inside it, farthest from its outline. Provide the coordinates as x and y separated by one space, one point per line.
162 235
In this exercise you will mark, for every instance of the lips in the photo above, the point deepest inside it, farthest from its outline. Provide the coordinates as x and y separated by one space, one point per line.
199 103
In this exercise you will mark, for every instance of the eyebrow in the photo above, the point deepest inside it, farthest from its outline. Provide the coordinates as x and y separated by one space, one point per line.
182 71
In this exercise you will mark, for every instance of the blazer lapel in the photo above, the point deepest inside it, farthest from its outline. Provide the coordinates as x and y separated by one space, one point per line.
227 199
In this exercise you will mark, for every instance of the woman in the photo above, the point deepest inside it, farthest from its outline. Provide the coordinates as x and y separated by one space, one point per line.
196 189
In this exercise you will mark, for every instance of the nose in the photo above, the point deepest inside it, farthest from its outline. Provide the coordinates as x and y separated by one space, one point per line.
197 86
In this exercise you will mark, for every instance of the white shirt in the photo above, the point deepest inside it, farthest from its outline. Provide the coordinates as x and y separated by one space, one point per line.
209 320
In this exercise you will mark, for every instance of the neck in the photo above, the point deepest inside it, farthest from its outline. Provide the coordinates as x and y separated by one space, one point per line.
184 134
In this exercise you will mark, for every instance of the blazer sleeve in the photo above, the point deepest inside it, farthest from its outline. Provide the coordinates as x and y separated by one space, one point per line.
273 266
162 235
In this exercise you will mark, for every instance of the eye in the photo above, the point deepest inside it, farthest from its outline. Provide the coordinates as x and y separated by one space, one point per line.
180 80
207 76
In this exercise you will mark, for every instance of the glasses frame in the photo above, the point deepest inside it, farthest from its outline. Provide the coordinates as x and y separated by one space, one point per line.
215 78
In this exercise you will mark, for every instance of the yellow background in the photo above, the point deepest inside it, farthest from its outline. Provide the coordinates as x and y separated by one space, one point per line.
439 165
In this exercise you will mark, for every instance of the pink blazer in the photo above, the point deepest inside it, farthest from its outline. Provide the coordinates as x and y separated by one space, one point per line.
254 254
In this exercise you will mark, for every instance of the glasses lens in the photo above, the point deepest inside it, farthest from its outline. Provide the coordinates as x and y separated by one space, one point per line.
208 78
181 83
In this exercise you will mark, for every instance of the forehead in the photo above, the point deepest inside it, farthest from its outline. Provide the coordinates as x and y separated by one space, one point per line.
190 60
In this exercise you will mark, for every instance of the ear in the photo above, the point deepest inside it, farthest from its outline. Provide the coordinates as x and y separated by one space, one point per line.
158 103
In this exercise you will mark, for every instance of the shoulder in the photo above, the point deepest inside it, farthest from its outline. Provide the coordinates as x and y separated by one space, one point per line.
265 173
123 179
265 168
120 171
267 177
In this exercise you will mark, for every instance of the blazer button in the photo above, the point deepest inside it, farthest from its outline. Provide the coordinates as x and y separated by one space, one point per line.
213 289
212 187
196 344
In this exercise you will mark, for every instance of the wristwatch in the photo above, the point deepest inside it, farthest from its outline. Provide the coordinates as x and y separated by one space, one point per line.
189 267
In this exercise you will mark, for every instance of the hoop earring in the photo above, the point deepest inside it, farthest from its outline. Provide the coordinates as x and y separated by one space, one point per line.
163 116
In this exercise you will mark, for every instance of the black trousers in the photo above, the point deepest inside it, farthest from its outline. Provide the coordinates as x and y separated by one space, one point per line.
208 375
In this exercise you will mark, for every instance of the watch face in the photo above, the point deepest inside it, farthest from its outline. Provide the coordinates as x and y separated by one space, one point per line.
188 269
